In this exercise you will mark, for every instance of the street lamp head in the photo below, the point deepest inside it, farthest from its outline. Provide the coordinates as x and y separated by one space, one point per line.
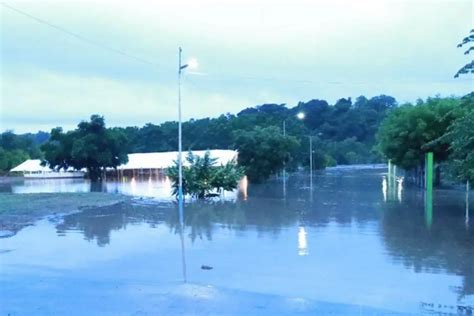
300 115
193 64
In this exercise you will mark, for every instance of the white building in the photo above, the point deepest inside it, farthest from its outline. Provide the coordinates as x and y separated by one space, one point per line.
138 164
156 163
32 168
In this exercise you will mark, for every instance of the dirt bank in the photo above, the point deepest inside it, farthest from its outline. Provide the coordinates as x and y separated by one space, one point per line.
20 210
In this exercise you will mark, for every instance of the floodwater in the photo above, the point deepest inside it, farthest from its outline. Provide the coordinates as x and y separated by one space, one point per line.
354 238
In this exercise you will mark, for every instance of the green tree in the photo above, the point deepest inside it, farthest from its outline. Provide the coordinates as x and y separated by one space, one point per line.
409 131
91 146
469 67
11 158
201 176
460 136
263 151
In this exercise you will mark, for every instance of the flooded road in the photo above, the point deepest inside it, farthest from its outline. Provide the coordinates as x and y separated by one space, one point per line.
350 240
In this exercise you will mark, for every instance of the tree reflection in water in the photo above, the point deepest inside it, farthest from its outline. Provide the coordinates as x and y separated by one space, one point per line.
345 200
447 244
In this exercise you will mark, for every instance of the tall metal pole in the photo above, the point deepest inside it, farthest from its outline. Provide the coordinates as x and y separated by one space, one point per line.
284 163
467 203
180 170
180 147
311 161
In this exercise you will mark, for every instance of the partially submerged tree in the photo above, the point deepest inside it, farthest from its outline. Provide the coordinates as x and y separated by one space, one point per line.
263 151
91 146
201 176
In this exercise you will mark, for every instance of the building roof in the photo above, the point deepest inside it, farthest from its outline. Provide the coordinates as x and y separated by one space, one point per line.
166 159
140 161
31 165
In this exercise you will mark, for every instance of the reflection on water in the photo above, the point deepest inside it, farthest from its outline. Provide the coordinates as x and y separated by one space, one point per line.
153 187
392 188
348 243
302 242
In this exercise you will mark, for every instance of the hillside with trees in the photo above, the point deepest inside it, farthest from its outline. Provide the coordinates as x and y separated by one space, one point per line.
366 130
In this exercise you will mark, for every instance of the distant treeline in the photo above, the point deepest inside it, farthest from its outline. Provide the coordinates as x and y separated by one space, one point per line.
347 132
14 149
343 133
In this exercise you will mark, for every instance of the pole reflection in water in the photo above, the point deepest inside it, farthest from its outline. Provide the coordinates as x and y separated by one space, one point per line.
399 189
384 188
302 242
428 209
133 186
183 256
392 188
243 186
467 204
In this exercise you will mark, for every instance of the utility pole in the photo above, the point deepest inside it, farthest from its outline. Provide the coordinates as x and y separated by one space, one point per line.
284 162
180 167
311 161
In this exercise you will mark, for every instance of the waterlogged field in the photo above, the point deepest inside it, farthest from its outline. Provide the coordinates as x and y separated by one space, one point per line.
350 245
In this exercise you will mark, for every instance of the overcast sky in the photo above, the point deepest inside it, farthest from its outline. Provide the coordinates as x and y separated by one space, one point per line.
249 53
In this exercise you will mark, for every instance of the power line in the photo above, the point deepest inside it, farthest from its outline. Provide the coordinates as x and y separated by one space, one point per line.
78 36
219 77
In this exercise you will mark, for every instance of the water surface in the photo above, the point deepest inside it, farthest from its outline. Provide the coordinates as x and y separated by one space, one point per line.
349 240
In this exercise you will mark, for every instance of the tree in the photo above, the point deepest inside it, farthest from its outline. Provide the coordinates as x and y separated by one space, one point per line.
201 176
11 158
462 147
91 146
460 136
410 131
469 67
263 151
15 149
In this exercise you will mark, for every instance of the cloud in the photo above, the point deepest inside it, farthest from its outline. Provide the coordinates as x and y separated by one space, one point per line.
251 52
46 100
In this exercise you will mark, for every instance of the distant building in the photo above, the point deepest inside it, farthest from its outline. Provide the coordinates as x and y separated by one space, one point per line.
157 163
137 165
32 168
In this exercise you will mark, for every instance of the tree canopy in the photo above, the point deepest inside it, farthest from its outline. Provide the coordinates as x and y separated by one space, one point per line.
469 67
263 151
91 146
410 131
201 176
15 149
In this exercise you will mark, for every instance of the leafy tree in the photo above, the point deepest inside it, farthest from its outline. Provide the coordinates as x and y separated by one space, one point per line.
462 147
469 67
409 132
11 158
15 149
263 151
201 176
460 136
91 146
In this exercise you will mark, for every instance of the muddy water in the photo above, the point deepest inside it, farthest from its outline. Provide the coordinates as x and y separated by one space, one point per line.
352 239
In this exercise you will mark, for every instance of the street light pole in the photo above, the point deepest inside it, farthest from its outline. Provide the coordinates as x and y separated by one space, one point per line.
180 169
311 162
180 145
284 163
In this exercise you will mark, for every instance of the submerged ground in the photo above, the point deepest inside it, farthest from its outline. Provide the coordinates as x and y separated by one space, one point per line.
352 245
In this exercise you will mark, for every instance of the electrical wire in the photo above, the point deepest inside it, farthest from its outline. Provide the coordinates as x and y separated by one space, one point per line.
205 76
78 36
